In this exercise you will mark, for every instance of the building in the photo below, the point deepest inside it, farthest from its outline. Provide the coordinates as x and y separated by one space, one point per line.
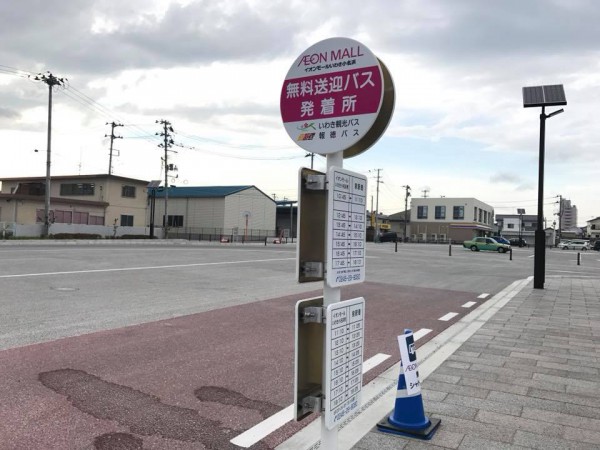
400 222
287 219
593 228
443 219
568 214
203 212
514 226
76 201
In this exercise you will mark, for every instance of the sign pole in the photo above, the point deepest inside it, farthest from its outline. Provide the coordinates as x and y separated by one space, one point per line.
331 295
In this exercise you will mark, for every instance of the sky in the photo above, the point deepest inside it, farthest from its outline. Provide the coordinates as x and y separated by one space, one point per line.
215 69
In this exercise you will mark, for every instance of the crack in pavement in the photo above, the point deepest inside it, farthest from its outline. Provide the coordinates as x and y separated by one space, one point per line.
143 413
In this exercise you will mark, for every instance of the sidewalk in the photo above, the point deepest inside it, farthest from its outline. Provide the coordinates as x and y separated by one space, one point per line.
528 378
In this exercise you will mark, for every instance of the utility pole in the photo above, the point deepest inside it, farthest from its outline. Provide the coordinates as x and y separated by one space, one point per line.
168 143
406 195
312 158
560 215
112 138
375 235
51 81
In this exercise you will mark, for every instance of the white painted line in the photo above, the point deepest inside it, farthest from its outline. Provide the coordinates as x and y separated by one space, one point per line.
469 304
380 394
448 316
531 256
261 430
422 332
374 361
484 295
124 269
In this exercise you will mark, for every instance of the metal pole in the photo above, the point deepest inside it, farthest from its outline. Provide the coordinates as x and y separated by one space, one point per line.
152 206
48 159
166 223
540 248
330 295
405 213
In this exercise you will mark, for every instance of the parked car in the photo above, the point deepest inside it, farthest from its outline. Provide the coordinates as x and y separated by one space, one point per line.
485 243
501 239
388 236
518 242
563 243
596 246
576 244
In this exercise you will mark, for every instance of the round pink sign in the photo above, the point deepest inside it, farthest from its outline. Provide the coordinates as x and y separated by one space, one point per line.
332 95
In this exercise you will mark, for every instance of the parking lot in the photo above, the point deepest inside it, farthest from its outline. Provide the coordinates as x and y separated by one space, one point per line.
201 329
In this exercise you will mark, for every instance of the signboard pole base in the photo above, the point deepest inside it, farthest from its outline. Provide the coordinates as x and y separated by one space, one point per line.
329 438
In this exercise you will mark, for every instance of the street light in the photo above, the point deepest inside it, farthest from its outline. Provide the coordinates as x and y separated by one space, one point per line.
543 96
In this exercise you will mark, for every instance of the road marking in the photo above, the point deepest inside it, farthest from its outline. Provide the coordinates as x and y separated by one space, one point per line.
261 430
422 332
469 304
125 269
448 316
374 361
380 394
484 295
531 256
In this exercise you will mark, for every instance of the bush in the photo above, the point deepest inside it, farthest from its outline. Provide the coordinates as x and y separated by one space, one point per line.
75 236
134 236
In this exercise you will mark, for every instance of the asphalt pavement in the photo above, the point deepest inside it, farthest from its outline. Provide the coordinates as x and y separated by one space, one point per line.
190 345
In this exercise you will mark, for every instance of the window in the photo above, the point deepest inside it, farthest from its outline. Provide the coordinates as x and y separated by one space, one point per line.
77 189
510 225
128 191
480 215
458 212
96 220
126 221
174 221
80 217
422 212
440 212
63 216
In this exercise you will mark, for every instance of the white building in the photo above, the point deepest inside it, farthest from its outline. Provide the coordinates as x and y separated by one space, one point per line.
593 228
237 211
568 214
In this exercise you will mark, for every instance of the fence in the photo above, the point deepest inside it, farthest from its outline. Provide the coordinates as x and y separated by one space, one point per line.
217 234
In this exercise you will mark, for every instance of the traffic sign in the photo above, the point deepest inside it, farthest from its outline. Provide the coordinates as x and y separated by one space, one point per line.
337 96
344 345
346 227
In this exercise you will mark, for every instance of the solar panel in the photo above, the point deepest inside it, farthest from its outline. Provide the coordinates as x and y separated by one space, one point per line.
553 95
154 183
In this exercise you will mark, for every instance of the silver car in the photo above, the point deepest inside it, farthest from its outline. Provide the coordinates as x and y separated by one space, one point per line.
576 244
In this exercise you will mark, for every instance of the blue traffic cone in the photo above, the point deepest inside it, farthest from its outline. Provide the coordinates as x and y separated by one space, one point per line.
408 417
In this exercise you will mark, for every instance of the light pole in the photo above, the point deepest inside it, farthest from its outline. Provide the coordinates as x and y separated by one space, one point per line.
542 96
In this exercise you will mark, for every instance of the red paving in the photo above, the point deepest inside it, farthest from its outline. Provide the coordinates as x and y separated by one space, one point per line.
186 383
